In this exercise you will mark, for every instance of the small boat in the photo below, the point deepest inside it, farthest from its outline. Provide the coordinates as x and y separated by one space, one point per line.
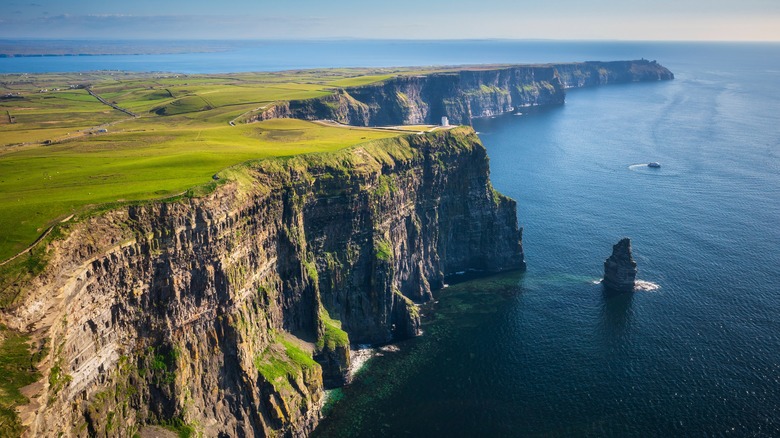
654 164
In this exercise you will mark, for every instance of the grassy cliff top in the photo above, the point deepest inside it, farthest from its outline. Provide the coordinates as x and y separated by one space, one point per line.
63 150
73 140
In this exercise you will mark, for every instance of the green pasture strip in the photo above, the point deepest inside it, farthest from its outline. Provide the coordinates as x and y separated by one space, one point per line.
61 150
40 185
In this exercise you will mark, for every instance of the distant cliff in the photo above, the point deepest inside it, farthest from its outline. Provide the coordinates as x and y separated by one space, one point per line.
461 95
425 99
592 73
208 311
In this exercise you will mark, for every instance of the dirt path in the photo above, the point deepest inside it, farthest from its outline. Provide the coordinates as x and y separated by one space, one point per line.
29 248
233 122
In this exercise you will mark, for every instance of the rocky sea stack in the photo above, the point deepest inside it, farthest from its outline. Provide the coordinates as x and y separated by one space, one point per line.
620 268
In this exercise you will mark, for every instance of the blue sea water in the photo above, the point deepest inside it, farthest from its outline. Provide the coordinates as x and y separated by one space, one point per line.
244 56
546 353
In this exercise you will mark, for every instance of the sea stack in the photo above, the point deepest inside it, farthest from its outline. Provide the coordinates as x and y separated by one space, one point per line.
620 268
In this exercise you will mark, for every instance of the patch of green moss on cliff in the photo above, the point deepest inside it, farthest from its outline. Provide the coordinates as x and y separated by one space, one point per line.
383 250
109 410
300 358
498 197
385 185
236 274
330 104
58 378
17 369
282 361
161 363
492 89
180 427
311 271
333 336
412 308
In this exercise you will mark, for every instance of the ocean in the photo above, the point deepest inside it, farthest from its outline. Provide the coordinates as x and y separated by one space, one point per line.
546 352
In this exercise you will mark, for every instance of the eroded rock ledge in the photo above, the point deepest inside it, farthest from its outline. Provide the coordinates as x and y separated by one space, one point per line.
208 311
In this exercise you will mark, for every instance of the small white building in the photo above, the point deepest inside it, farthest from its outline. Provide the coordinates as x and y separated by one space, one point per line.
445 121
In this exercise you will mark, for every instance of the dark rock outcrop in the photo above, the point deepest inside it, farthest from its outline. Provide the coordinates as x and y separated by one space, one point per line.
208 310
620 268
461 95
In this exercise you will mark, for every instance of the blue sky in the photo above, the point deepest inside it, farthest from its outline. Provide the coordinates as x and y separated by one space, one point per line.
735 20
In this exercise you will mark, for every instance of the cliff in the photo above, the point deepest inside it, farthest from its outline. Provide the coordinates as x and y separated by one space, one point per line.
424 99
461 95
620 268
592 73
208 311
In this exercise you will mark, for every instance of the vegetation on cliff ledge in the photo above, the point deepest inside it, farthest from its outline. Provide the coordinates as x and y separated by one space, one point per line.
333 336
282 361
17 369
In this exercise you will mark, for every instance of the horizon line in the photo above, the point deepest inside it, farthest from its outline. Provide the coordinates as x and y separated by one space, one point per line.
332 39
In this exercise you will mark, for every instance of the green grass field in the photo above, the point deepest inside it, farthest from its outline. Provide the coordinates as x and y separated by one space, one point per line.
40 185
54 161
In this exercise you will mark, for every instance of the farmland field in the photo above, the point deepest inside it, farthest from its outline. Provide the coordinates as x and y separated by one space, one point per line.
62 150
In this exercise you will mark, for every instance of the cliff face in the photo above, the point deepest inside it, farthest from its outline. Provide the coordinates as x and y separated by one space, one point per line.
592 73
408 100
620 268
207 311
462 95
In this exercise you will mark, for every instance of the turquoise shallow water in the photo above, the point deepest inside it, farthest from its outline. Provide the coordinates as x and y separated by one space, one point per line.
546 353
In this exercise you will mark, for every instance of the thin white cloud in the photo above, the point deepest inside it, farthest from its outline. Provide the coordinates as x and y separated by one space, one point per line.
535 21
157 26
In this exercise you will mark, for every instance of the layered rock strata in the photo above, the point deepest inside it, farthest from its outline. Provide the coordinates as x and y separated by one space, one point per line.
461 95
593 73
620 268
208 310
409 100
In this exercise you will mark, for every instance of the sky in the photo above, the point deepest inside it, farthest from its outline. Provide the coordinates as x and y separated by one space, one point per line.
677 20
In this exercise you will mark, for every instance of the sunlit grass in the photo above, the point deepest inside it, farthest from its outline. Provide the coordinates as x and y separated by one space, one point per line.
41 184
62 150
